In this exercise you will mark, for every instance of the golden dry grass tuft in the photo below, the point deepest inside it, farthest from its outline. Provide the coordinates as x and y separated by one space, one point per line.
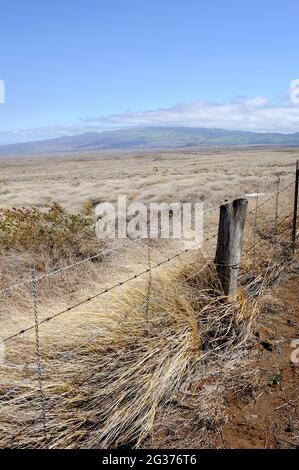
106 390
117 370
117 383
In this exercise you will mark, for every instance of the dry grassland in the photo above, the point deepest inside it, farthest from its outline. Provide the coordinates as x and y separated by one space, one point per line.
123 368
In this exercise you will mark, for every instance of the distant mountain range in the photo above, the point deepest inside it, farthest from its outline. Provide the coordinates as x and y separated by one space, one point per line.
150 138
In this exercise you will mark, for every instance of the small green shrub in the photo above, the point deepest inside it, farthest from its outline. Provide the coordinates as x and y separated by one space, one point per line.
53 231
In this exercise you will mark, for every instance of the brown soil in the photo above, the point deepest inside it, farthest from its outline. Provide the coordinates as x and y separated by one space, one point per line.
266 417
271 420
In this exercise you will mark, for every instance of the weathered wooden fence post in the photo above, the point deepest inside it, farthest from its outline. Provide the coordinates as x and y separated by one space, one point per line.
294 230
229 244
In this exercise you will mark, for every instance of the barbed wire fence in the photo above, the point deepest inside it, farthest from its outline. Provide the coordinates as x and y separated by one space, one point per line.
38 354
272 237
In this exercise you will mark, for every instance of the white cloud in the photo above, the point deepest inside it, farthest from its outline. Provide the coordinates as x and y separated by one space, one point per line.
2 92
46 132
248 114
255 114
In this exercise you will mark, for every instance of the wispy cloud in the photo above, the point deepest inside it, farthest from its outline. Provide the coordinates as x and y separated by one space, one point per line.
47 132
257 114
248 114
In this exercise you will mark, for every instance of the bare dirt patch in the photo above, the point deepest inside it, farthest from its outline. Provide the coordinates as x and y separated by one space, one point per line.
262 416
271 420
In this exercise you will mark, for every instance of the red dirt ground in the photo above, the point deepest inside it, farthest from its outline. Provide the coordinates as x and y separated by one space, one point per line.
271 420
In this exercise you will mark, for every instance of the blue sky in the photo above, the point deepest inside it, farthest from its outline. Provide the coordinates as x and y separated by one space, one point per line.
72 66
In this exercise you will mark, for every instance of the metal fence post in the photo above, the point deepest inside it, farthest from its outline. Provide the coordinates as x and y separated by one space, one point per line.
294 230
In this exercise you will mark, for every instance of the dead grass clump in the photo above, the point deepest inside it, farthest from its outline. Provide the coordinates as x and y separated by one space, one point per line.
113 389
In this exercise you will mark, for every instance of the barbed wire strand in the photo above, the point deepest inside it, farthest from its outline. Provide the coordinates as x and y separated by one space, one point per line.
94 374
149 285
125 281
264 239
38 356
110 251
21 332
255 223
108 289
276 216
141 308
149 270
91 376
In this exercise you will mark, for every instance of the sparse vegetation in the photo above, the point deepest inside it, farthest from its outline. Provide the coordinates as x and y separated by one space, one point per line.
113 376
45 238
53 230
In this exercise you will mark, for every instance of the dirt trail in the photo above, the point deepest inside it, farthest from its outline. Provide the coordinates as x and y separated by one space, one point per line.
271 420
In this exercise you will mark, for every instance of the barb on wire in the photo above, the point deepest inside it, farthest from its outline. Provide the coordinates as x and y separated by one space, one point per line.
265 239
262 204
21 332
276 215
37 353
108 289
149 286
108 251
255 224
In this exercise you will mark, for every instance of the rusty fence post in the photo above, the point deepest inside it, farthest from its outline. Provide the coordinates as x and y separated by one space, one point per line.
294 229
